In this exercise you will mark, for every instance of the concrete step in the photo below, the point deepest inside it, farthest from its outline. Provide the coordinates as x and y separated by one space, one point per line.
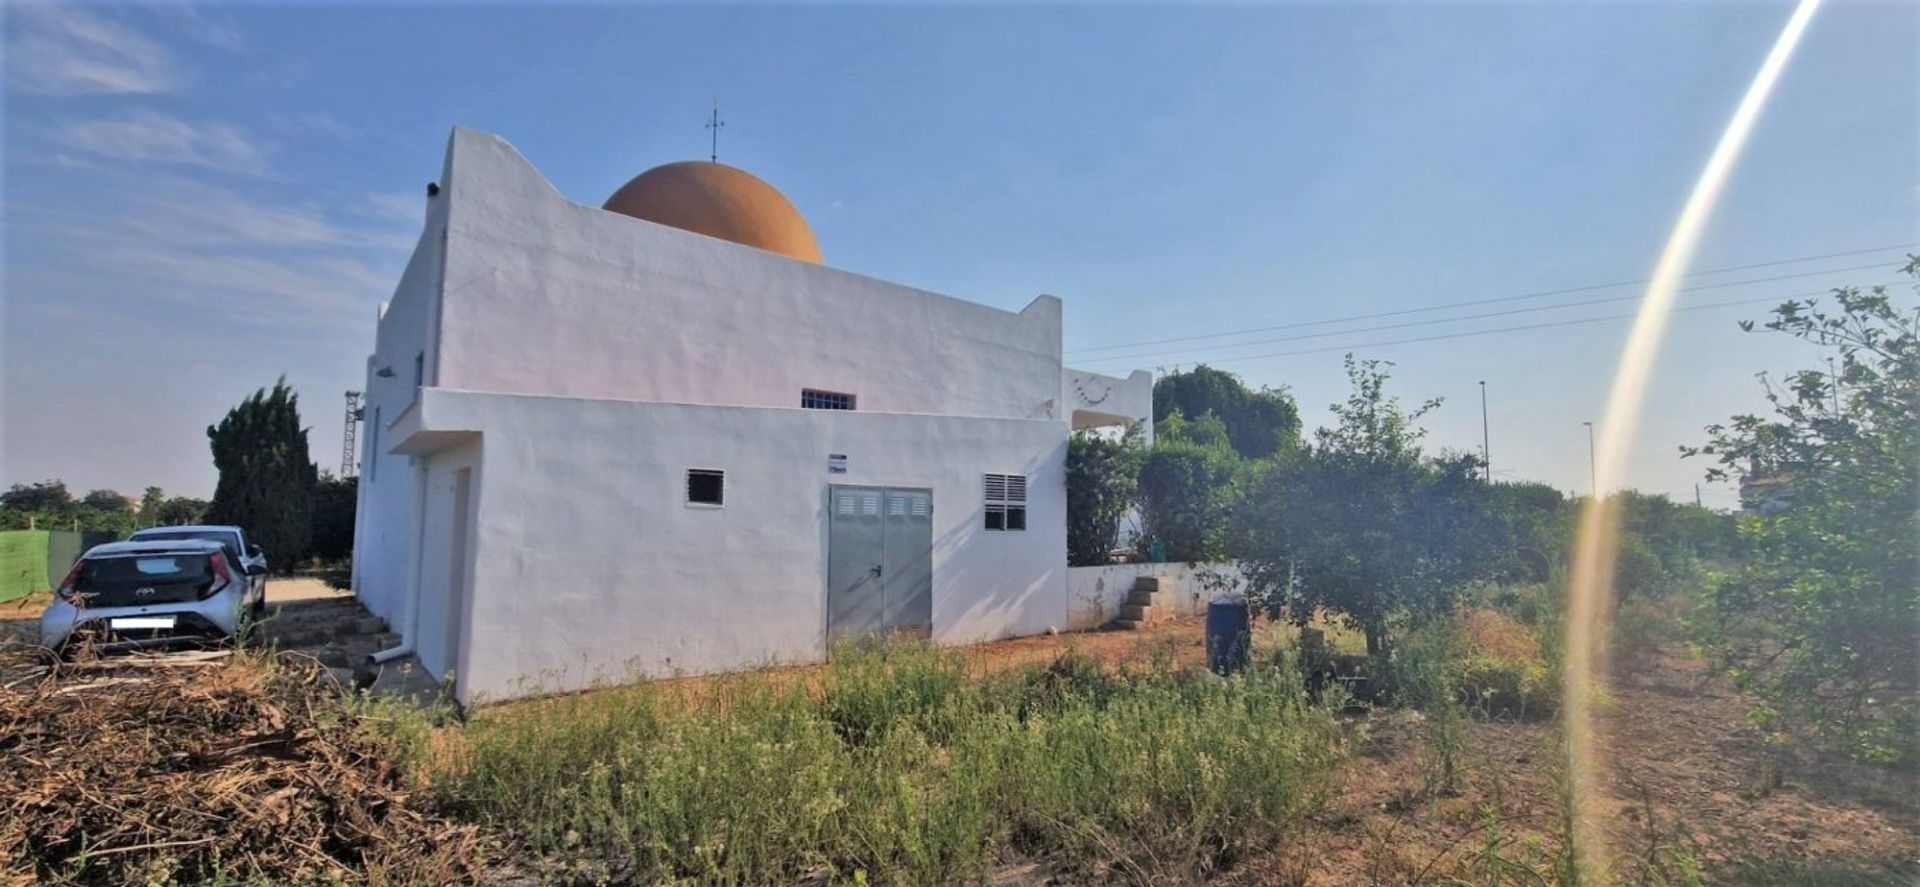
1142 597
1152 583
1136 612
1130 624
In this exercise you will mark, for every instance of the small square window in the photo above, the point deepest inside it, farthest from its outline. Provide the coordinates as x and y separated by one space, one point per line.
1006 502
811 399
706 486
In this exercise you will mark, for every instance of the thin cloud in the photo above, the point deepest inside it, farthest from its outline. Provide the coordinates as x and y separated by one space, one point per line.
187 212
269 287
205 247
321 123
59 49
152 137
408 207
213 30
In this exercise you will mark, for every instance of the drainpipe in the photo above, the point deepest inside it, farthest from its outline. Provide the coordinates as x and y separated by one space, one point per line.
412 620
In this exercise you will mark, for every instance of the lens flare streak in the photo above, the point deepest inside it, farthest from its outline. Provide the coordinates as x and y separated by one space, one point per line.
1590 583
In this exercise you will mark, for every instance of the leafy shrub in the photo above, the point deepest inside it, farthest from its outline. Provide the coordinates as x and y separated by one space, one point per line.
1188 489
1102 476
1497 634
874 688
1495 686
1817 620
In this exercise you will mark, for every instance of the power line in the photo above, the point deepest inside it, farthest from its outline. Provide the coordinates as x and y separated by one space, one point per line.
1481 316
1509 329
1469 303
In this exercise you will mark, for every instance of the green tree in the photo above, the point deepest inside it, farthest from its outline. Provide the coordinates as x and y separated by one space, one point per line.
180 510
109 501
48 497
266 480
1819 619
336 499
1665 545
1364 524
1188 487
1259 423
150 503
47 505
1535 522
1102 477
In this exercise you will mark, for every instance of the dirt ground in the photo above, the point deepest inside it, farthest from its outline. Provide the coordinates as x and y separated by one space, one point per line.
1686 780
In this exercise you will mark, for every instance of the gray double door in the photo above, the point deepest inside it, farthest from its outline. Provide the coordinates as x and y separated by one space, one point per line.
879 561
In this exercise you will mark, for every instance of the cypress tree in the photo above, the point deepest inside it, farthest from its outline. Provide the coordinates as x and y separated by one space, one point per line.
266 480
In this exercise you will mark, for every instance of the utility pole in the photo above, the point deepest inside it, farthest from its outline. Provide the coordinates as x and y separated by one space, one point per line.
1486 449
1696 495
1833 379
1593 473
713 126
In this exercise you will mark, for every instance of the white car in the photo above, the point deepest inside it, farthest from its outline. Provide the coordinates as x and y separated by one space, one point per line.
249 558
149 593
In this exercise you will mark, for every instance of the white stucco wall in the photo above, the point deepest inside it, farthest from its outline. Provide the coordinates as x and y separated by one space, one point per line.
577 362
589 565
550 297
443 606
1094 594
1094 400
383 536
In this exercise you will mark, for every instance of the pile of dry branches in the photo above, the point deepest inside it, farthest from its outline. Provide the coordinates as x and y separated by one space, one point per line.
215 766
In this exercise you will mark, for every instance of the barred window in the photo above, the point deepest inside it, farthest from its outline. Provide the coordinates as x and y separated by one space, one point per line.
811 399
1006 500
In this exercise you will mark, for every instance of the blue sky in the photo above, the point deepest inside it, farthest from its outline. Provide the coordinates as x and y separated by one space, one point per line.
201 198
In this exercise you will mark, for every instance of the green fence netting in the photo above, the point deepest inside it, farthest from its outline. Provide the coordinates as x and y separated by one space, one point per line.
23 563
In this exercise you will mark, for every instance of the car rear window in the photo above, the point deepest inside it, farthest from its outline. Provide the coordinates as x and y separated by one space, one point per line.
228 540
112 573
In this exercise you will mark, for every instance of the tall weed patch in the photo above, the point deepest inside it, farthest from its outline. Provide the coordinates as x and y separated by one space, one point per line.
901 765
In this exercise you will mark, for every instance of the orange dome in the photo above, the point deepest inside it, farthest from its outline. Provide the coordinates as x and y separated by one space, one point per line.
719 201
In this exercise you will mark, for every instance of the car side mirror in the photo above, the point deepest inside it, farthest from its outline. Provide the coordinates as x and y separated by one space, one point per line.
255 569
254 551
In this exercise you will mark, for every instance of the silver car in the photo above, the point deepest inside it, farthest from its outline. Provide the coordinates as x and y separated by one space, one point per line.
247 557
139 594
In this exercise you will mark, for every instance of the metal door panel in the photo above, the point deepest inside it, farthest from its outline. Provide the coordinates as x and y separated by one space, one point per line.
855 551
907 562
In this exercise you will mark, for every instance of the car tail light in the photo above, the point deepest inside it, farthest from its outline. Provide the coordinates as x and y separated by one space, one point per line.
67 592
222 577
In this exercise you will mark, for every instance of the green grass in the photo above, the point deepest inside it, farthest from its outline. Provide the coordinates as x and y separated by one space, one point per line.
899 765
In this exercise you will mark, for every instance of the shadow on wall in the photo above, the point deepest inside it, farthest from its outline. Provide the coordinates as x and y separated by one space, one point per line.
990 602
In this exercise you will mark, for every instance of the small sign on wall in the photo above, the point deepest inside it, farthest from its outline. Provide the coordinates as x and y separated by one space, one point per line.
836 463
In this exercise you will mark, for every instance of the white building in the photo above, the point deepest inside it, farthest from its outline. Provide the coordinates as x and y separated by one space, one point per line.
660 436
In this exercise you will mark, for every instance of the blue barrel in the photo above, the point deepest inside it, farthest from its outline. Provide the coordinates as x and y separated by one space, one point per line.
1229 634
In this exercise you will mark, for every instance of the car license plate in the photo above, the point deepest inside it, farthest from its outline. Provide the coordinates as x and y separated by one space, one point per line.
141 622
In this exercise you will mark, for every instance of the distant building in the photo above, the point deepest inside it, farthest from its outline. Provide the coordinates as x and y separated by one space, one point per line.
661 436
1766 494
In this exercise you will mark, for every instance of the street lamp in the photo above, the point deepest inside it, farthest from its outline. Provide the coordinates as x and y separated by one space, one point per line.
1486 452
1593 475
